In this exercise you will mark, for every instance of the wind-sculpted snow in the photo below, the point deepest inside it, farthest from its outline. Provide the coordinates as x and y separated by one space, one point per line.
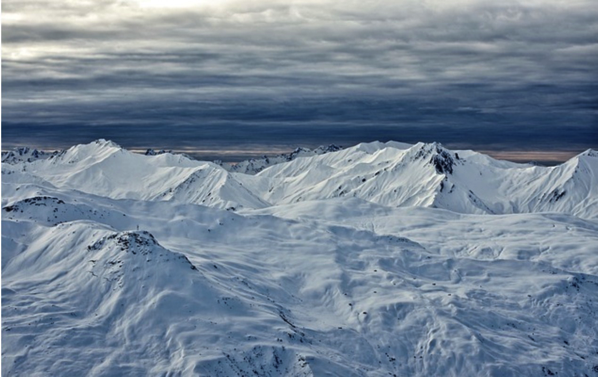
149 279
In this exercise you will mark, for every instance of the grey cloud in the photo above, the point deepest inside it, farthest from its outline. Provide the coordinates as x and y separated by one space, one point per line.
470 68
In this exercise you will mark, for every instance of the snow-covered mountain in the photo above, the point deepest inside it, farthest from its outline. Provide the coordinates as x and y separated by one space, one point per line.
104 168
428 175
425 262
391 174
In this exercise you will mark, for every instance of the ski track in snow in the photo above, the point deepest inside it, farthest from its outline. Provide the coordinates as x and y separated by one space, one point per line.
383 259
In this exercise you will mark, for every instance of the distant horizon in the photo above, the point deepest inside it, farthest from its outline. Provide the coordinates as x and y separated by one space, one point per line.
234 155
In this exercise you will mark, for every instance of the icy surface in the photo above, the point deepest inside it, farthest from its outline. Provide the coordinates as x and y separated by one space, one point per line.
377 260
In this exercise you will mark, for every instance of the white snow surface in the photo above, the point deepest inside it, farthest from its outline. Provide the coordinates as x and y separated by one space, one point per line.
377 260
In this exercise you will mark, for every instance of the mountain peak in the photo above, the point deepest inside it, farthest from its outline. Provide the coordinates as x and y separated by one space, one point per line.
105 143
134 241
139 246
441 158
589 153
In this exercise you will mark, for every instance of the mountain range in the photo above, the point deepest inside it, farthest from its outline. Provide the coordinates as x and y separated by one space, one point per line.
379 259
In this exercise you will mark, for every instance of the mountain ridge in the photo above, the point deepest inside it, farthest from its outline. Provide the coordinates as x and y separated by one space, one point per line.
393 174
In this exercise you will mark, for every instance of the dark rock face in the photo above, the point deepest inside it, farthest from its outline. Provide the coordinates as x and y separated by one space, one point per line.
151 152
35 201
443 161
25 154
556 195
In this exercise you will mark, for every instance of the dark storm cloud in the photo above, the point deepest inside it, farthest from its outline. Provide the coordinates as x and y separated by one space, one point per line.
473 73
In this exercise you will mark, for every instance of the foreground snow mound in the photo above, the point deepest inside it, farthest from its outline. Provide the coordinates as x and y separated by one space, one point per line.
243 295
122 305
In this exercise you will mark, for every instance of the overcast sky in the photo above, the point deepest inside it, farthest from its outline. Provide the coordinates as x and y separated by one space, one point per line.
248 75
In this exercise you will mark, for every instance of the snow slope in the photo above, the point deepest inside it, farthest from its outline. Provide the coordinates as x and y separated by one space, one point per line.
107 276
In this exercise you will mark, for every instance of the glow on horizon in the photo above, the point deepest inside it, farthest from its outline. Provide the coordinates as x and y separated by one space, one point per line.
520 156
243 153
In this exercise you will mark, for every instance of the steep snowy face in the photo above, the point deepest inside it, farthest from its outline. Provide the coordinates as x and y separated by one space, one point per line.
376 172
570 188
485 186
110 297
214 188
381 173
